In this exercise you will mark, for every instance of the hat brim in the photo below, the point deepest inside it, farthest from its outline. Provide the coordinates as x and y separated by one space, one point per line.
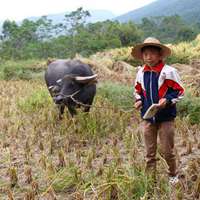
137 53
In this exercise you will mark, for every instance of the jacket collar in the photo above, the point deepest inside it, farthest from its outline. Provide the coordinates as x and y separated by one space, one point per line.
156 68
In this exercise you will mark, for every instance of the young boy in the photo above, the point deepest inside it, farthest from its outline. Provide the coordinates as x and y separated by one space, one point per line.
158 83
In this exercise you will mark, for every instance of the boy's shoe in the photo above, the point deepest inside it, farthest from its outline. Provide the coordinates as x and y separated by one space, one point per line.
173 180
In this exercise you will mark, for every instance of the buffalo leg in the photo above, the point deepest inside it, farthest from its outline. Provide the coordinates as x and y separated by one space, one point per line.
72 110
88 105
61 111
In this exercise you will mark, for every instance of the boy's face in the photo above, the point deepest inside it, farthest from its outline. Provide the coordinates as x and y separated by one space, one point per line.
151 56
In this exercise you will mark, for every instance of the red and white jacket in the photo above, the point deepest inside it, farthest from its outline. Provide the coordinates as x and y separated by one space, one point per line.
154 83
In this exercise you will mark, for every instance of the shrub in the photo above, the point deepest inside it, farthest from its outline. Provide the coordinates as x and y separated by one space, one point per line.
190 107
24 70
120 95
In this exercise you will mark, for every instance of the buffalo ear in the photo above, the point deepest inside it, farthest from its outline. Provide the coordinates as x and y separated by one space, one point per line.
50 60
86 79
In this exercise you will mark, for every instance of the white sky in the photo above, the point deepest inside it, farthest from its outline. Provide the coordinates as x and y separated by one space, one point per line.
20 9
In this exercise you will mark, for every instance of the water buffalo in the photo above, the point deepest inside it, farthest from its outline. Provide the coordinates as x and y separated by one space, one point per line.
71 83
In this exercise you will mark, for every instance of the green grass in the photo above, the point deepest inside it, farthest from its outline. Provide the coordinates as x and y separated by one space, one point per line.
119 96
34 102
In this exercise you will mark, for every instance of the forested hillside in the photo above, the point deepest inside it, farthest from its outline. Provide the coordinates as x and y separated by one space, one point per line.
187 9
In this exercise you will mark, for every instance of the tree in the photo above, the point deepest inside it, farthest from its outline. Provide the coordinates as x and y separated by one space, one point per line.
168 29
9 28
185 34
45 28
75 21
129 34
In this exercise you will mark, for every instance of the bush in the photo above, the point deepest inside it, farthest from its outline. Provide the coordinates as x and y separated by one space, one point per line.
190 107
12 72
24 70
120 95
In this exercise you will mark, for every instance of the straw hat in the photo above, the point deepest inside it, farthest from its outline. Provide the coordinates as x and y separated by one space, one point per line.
150 41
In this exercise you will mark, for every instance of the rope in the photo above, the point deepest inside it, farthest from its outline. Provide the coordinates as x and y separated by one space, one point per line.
107 107
87 105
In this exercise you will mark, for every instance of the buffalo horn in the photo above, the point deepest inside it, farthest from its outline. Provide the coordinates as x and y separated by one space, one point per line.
85 79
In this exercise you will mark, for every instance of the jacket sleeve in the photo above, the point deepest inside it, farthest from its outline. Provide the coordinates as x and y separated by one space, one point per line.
138 92
175 87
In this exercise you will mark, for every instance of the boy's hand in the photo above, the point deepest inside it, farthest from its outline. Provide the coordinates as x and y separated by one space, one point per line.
162 103
138 105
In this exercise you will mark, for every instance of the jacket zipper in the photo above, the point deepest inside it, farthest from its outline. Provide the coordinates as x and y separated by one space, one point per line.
151 93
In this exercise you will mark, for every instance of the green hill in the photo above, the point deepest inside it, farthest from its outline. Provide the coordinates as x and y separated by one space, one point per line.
188 9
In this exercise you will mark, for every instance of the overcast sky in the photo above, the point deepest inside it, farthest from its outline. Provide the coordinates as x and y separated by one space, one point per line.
20 9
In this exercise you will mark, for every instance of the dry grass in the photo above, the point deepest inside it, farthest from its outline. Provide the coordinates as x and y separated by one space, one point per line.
95 156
